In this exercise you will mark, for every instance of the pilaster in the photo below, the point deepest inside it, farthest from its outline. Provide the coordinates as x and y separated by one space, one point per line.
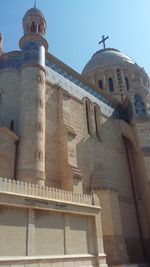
31 233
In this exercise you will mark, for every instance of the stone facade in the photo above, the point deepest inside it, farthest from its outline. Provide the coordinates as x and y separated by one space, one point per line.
74 159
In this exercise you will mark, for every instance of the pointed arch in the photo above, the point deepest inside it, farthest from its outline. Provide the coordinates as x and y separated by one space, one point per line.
88 115
97 113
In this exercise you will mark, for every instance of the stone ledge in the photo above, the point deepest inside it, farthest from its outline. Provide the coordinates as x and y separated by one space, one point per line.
53 257
32 259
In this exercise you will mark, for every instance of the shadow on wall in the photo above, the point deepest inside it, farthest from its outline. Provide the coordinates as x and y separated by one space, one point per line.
5 167
104 164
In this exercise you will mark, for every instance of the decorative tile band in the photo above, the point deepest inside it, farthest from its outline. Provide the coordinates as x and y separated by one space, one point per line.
33 51
31 45
68 76
12 62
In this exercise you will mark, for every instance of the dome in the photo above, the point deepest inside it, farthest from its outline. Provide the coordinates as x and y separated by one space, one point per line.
108 56
32 12
34 22
118 75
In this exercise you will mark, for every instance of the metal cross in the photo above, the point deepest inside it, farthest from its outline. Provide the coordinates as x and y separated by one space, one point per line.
103 41
35 4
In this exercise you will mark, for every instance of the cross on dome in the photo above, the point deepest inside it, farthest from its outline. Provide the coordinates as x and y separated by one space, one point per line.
103 41
35 2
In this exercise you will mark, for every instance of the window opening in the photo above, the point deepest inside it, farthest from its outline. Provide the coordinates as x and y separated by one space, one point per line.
96 121
127 83
87 117
100 84
111 85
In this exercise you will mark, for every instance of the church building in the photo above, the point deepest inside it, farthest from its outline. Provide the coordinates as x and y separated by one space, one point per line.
74 157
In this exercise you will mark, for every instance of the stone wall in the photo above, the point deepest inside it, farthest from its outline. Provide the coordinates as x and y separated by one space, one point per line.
52 133
143 127
8 146
9 98
38 224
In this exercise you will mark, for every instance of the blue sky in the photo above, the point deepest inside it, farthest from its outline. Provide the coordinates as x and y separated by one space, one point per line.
76 26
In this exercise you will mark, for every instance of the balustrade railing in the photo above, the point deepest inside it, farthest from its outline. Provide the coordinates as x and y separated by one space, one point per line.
29 189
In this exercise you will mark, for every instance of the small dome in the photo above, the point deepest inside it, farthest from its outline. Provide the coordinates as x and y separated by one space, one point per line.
33 11
109 56
34 22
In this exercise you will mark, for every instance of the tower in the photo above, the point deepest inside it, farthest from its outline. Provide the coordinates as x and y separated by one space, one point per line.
31 158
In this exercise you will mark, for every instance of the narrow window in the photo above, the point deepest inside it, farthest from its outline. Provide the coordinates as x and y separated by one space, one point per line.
100 84
96 118
39 28
33 27
87 117
111 86
39 154
12 125
127 83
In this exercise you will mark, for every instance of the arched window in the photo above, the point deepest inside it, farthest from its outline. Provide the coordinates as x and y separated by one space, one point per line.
39 28
33 27
127 83
97 120
100 84
139 105
88 116
111 85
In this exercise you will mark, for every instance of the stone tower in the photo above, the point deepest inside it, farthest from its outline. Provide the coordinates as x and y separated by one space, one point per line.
31 158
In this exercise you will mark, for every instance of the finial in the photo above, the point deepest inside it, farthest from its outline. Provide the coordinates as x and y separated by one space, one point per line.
103 41
34 4
1 44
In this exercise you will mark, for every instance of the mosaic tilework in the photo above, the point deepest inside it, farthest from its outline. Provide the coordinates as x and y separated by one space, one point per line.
79 83
31 45
14 62
33 52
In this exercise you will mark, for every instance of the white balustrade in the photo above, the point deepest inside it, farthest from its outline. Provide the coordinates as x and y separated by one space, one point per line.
23 188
